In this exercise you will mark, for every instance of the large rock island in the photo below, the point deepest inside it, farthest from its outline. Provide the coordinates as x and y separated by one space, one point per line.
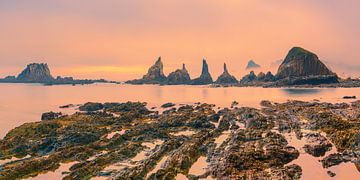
40 73
304 67
155 75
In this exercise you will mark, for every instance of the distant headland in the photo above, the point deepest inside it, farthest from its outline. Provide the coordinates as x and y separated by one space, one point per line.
40 73
299 68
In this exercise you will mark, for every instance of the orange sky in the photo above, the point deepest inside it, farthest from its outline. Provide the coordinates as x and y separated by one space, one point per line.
119 40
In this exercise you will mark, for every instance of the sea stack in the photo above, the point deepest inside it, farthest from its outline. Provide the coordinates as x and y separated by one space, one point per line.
205 77
249 78
155 75
301 63
252 65
226 77
35 72
268 77
180 76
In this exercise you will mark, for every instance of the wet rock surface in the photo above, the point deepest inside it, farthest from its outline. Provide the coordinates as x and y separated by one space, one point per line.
50 115
238 143
317 145
91 106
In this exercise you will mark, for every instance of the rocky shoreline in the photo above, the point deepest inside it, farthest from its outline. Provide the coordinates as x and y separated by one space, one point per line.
128 141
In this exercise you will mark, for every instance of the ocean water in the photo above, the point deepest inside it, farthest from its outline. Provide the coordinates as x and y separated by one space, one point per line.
22 103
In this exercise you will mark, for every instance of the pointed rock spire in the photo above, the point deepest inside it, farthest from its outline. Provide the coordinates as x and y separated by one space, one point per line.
205 69
205 77
226 77
183 67
225 69
154 75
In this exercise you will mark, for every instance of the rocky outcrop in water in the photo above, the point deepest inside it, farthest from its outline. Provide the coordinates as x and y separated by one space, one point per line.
40 73
36 72
301 63
252 65
180 76
226 77
155 75
205 77
268 77
249 78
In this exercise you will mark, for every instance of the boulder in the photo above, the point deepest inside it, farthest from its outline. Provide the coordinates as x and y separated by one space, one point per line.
91 106
226 77
36 73
252 65
180 76
155 75
301 63
50 115
316 144
167 105
205 77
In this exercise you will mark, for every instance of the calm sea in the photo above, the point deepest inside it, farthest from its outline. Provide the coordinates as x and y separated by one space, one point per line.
21 103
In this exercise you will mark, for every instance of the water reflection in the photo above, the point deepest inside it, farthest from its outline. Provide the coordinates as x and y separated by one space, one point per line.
301 91
22 103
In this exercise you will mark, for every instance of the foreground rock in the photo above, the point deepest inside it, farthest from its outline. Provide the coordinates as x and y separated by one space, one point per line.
226 77
51 115
205 77
317 145
128 141
91 106
155 75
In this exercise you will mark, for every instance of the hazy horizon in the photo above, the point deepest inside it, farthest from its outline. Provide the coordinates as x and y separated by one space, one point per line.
119 40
